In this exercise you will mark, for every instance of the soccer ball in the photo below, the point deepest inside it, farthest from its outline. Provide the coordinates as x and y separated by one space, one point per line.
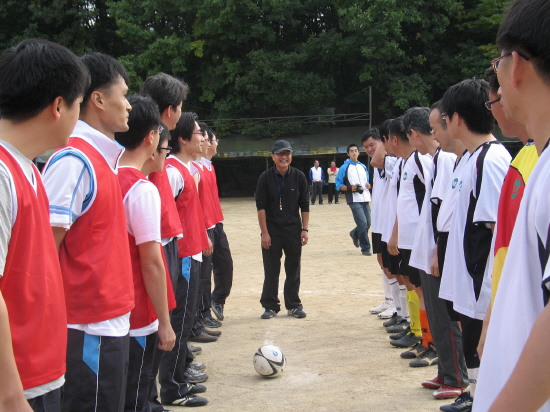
269 361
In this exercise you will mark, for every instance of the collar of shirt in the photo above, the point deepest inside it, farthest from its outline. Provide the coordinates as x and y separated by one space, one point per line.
111 150
190 166
207 163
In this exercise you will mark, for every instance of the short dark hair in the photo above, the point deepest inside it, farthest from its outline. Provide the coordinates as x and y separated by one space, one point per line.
184 129
105 71
384 131
143 118
164 135
166 90
468 98
492 79
204 128
397 128
350 146
34 73
525 29
374 133
417 118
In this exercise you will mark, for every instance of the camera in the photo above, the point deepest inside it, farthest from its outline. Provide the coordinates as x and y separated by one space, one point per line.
359 189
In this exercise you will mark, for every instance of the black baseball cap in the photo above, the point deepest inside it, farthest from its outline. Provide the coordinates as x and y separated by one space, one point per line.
281 145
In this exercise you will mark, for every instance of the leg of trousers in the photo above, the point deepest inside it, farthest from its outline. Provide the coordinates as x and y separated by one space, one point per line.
172 261
292 246
330 191
446 334
361 215
97 367
222 267
205 285
49 402
317 189
142 355
172 365
471 332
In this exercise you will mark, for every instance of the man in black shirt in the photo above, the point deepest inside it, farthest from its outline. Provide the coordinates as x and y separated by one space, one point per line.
281 194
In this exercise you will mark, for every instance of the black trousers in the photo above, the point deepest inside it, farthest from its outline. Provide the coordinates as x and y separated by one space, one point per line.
332 192
172 365
142 355
97 367
292 247
317 188
49 402
471 332
205 283
222 266
172 261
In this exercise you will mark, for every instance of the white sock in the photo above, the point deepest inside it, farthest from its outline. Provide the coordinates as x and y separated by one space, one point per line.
472 377
403 300
394 287
387 290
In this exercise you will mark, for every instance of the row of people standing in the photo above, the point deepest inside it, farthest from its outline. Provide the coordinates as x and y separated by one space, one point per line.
317 179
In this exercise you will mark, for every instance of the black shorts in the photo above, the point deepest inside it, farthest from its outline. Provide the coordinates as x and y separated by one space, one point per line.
412 273
376 242
390 262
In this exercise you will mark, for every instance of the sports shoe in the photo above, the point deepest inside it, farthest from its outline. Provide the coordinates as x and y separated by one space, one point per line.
393 320
195 376
463 403
434 383
406 341
354 239
380 308
210 322
414 352
400 334
399 326
427 358
448 392
297 313
388 313
188 400
367 252
197 366
195 388
217 309
268 314
212 332
196 350
203 338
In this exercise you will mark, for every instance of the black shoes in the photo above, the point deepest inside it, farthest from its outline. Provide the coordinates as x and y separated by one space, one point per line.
297 313
195 376
212 332
268 314
217 309
210 322
203 338
188 400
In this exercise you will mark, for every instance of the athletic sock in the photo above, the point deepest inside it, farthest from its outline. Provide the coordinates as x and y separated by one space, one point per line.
426 332
403 300
414 310
387 289
472 377
394 287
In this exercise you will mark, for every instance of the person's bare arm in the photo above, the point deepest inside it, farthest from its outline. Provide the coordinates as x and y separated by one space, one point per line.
392 243
481 343
528 388
378 157
11 388
154 278
266 239
304 235
58 235
434 267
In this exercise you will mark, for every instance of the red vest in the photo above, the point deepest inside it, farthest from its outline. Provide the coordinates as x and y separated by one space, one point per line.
215 194
189 209
32 285
205 196
170 224
94 256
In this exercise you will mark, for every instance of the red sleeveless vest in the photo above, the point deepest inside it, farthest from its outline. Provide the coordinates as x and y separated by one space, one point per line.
170 224
32 285
189 209
205 196
94 256
215 194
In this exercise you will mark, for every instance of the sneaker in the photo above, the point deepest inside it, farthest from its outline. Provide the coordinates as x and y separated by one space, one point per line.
196 350
427 358
388 313
434 383
400 334
367 252
210 322
268 314
188 400
217 309
380 308
203 338
354 239
194 376
406 341
197 366
297 312
212 332
393 320
399 326
463 403
448 392
414 352
195 388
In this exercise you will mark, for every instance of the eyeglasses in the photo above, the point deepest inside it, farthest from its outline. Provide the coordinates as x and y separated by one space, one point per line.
167 148
160 129
432 131
496 62
444 116
489 104
201 133
284 153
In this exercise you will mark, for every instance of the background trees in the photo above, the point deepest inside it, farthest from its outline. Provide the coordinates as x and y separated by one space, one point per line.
261 58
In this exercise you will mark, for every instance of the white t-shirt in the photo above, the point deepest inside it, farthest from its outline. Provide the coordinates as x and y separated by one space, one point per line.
142 208
450 192
378 185
415 174
524 282
463 281
392 167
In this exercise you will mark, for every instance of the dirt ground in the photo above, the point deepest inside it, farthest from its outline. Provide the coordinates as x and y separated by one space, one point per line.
338 357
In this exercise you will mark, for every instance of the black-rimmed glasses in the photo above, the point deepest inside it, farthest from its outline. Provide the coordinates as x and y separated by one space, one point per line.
489 104
167 148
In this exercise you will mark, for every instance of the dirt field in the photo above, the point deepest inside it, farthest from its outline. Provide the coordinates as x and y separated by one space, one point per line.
338 357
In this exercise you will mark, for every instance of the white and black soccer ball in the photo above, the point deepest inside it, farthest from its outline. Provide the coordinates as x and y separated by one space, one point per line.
269 361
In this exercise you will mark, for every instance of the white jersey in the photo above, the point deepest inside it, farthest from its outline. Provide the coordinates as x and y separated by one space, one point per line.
378 186
424 239
392 167
523 289
415 175
450 194
463 281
